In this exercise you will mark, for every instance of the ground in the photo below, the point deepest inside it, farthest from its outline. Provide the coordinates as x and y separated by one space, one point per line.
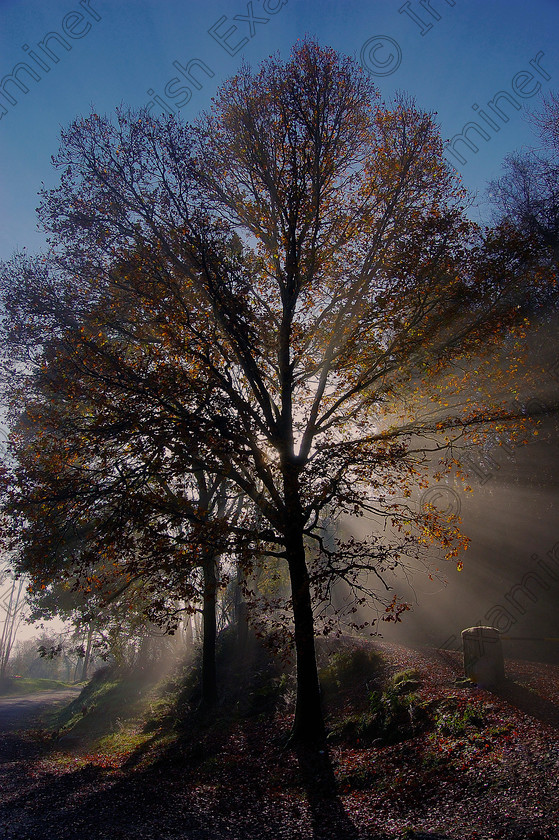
485 768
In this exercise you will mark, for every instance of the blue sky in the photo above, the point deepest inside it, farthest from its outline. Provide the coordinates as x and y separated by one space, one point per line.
449 54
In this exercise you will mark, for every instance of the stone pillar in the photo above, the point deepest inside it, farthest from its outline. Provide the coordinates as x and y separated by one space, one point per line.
483 656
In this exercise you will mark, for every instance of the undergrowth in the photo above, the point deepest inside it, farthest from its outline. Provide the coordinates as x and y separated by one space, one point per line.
127 720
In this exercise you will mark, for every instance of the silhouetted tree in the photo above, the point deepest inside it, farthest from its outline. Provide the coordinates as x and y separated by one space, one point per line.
292 292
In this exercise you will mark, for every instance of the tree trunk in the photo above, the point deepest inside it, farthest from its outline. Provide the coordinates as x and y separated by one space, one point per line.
209 676
87 656
76 669
308 726
11 624
241 613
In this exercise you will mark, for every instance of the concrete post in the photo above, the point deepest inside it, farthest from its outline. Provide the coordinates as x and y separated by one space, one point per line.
483 656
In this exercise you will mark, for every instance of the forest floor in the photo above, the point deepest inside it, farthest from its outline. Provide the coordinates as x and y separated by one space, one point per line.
453 761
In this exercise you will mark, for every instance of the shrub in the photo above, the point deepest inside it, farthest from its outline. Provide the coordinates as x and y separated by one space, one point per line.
404 682
348 668
455 722
392 717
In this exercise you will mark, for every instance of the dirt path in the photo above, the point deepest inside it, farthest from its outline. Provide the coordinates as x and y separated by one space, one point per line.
40 801
21 712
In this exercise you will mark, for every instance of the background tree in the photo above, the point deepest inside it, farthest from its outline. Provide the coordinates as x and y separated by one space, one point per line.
527 194
103 522
12 603
303 296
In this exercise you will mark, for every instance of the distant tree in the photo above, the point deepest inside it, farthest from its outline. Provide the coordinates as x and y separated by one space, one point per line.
12 603
303 299
24 653
547 122
527 194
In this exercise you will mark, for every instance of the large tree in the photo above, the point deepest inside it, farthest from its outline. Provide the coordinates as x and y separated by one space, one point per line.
302 296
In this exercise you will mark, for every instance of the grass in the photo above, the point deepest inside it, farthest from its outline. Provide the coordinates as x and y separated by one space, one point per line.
130 719
105 704
410 744
456 722
394 739
13 686
117 716
393 712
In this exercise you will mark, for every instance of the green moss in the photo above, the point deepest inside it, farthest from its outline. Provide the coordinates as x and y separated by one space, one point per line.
125 741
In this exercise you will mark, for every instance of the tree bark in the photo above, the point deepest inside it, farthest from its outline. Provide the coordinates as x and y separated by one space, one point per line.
308 725
241 614
87 656
209 675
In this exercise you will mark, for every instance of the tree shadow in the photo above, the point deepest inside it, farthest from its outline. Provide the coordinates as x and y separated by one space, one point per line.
161 800
15 747
86 804
329 819
528 702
